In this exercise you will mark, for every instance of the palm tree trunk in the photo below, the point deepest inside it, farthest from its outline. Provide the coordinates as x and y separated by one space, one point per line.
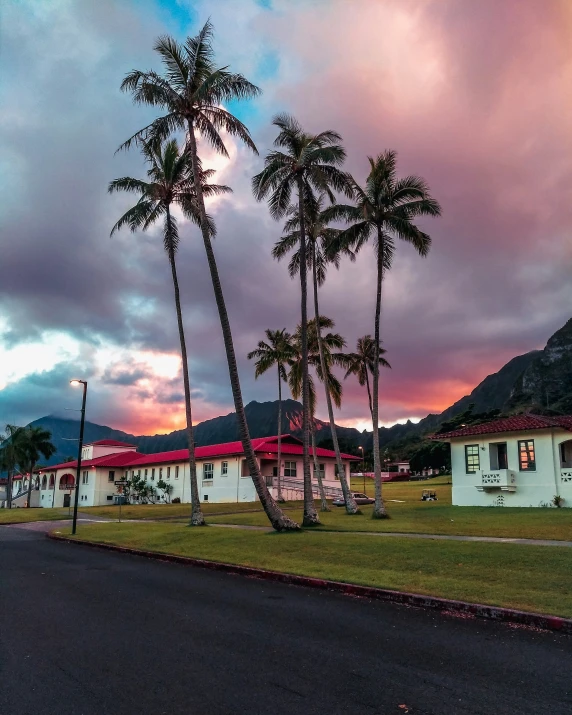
30 486
379 511
9 490
197 518
368 392
324 502
277 518
351 506
279 496
310 514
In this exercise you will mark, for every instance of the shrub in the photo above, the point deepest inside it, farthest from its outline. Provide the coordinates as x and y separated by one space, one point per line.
176 500
557 500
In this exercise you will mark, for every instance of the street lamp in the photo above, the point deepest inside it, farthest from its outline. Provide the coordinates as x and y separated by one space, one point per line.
78 470
362 467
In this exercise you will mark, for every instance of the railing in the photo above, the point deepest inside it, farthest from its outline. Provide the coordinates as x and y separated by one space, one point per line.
504 479
289 484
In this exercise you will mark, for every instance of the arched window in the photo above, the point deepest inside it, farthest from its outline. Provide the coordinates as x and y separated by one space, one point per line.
52 480
44 482
36 483
67 481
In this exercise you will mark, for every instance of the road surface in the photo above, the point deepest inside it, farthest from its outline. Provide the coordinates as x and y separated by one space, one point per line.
89 632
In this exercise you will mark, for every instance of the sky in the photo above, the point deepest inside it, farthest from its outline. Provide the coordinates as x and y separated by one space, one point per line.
475 97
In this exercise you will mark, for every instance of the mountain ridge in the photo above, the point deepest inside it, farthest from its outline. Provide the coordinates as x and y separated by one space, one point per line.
539 380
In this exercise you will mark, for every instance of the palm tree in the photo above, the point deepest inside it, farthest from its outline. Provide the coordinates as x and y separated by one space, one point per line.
320 237
385 210
192 91
8 459
308 163
361 363
278 351
170 183
332 344
32 442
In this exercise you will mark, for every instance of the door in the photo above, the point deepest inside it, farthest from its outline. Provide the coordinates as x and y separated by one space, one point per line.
67 499
501 451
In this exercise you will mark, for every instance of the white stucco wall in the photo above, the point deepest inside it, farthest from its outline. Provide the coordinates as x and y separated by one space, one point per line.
532 488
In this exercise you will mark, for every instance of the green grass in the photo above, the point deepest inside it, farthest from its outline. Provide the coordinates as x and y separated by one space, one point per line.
532 578
410 515
20 515
163 511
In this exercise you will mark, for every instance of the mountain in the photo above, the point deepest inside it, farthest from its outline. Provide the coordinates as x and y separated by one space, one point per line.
540 380
546 383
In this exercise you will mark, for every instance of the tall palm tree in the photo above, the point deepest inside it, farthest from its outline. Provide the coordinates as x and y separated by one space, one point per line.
191 91
308 163
277 352
8 459
332 344
361 364
170 183
385 210
320 237
31 443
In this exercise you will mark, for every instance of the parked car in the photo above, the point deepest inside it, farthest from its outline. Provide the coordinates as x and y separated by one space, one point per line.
358 496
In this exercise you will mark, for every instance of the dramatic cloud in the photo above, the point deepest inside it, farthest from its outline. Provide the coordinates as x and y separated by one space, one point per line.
474 97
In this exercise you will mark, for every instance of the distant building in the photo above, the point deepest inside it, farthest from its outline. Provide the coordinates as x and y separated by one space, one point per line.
525 460
222 472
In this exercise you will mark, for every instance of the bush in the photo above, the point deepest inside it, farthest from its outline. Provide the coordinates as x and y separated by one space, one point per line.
176 500
557 500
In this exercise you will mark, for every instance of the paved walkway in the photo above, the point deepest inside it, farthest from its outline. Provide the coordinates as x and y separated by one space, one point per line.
444 537
86 519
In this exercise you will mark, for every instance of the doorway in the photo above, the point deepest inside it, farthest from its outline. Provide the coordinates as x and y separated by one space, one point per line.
67 499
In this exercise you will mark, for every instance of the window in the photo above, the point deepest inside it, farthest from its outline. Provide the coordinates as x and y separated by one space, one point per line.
208 471
177 472
168 472
160 472
472 463
111 476
336 471
498 455
320 469
132 473
44 483
289 469
526 456
109 497
85 477
126 474
153 475
146 473
139 474
224 469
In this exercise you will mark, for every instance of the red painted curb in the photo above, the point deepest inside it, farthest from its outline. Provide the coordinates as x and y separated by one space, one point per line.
507 615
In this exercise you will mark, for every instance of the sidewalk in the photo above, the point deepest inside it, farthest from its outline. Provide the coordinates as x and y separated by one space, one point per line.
401 535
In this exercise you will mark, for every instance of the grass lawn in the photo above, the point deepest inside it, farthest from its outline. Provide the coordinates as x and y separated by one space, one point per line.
533 578
161 511
20 515
410 515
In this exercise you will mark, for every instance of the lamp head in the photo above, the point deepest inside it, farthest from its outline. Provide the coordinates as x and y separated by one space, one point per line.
78 382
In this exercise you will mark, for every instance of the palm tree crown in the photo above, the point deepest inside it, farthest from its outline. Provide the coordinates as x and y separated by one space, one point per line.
191 90
170 182
362 362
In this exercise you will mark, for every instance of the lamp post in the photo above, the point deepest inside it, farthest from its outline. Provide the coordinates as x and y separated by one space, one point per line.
78 470
362 467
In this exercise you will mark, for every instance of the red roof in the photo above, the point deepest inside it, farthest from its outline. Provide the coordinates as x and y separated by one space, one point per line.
290 445
109 443
517 423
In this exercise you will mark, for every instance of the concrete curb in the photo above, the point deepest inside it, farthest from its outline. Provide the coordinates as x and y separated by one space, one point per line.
506 615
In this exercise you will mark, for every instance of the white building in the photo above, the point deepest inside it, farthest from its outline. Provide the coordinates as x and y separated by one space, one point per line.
222 472
525 460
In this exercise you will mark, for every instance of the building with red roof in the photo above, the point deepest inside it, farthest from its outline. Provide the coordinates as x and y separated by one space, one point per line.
222 473
523 460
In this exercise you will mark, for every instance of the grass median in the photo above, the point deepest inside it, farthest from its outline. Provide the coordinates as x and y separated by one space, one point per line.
531 578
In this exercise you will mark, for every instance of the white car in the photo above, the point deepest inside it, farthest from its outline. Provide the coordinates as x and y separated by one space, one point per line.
358 496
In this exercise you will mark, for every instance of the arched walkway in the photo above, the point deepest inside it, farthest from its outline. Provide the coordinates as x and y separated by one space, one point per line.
67 481
565 452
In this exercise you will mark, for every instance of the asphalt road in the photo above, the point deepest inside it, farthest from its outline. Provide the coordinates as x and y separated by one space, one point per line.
91 632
